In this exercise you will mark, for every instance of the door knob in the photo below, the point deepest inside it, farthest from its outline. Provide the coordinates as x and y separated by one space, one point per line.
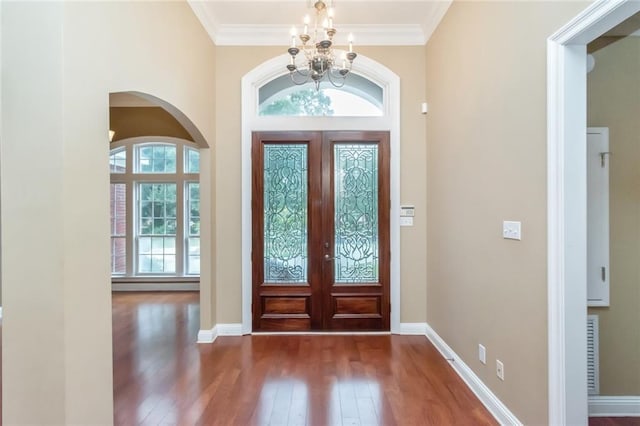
328 258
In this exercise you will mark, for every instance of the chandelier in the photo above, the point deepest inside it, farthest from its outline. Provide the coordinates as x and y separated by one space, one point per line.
319 58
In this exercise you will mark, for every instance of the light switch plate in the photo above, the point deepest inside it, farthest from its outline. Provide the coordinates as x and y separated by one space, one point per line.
407 211
406 221
511 230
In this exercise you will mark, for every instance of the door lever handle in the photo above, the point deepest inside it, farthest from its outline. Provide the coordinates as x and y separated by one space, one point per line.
328 258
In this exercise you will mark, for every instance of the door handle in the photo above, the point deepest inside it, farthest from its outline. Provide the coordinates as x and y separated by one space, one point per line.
328 258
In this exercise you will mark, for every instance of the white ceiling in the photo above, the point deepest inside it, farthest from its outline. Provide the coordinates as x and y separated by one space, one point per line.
267 22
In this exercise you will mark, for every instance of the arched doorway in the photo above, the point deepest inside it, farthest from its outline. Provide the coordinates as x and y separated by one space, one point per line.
389 121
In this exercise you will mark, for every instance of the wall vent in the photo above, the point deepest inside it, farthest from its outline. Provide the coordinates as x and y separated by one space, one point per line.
593 361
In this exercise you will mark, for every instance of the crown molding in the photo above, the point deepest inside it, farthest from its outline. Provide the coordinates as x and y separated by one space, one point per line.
277 35
207 20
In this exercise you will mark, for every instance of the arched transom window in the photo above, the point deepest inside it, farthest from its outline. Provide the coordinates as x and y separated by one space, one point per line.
155 208
359 97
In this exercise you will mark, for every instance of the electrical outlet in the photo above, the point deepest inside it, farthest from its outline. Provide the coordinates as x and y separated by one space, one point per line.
499 369
482 354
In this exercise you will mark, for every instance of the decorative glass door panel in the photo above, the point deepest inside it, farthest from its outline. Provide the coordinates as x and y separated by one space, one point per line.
356 213
320 213
285 213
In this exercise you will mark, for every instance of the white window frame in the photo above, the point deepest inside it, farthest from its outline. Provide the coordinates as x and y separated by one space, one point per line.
132 178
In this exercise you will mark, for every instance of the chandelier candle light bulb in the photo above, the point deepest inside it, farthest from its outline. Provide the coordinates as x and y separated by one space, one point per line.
320 62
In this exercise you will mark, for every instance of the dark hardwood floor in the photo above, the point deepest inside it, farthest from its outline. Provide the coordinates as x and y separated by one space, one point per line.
161 376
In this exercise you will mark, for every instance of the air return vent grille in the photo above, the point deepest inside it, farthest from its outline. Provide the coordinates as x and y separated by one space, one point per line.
593 367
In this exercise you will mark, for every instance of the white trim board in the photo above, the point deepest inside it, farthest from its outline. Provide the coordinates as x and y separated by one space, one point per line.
566 205
614 406
497 409
155 287
413 328
209 336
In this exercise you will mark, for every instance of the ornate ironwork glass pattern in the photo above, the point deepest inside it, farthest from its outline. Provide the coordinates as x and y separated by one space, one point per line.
285 213
356 213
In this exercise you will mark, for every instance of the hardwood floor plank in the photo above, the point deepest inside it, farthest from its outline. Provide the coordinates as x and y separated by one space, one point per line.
161 376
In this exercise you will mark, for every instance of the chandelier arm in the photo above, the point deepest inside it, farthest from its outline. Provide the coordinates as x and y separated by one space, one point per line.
341 80
317 49
299 82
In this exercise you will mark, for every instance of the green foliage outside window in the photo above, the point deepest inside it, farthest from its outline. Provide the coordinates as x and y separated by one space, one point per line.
308 102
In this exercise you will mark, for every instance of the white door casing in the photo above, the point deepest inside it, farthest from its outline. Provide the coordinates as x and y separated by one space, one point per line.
566 205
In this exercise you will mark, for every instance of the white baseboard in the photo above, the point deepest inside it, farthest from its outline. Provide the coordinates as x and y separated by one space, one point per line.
209 336
229 329
155 287
614 406
500 411
413 328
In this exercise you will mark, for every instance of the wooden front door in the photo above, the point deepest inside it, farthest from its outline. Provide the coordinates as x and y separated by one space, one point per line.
320 212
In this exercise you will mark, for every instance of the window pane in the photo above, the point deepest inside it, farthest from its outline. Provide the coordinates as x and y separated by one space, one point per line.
193 228
192 160
193 208
358 97
159 158
118 209
118 255
157 255
118 161
193 257
157 209
118 228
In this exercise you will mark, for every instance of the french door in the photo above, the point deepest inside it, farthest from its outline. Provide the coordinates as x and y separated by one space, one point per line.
320 225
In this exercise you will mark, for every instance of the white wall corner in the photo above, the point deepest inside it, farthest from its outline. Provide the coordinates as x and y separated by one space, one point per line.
208 336
614 406
229 329
0 312
500 411
413 328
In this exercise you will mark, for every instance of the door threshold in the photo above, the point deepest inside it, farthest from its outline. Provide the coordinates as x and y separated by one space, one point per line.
321 333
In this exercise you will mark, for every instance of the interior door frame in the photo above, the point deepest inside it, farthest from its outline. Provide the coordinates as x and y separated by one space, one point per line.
389 121
566 205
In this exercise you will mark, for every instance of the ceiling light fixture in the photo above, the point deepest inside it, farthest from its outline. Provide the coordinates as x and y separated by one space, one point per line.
319 57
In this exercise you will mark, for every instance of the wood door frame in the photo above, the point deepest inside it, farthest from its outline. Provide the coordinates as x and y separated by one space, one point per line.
328 202
312 290
313 305
390 121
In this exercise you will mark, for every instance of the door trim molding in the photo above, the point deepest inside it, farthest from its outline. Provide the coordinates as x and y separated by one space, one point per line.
566 206
390 121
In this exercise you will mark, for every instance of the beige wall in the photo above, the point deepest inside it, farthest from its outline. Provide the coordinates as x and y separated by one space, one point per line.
60 62
614 102
486 162
232 64
129 122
